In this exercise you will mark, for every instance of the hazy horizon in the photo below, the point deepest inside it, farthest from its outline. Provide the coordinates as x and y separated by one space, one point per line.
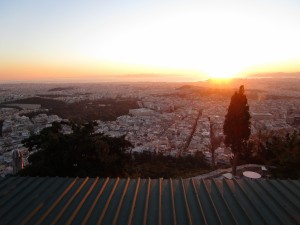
155 78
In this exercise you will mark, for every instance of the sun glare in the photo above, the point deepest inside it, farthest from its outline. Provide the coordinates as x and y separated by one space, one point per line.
221 76
222 70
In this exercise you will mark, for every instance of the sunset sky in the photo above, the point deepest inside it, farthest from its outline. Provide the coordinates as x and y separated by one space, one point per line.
111 40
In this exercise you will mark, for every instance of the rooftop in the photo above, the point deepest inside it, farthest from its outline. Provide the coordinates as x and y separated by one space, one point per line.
34 200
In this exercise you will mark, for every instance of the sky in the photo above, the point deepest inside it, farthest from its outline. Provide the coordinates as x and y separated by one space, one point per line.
170 40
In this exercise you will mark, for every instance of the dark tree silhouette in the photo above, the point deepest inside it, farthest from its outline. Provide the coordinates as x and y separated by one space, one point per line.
81 153
285 155
237 125
215 142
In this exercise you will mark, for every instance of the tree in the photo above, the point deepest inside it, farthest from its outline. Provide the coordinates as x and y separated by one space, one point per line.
285 155
237 126
81 153
215 142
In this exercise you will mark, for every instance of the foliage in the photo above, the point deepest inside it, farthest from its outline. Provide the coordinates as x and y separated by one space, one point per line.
237 125
81 153
215 142
286 156
237 121
157 165
278 150
282 153
84 153
103 109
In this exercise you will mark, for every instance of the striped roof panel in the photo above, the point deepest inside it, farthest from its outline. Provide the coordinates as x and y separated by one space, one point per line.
29 200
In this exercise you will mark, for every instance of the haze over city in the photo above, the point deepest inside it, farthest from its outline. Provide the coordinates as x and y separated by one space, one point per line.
84 41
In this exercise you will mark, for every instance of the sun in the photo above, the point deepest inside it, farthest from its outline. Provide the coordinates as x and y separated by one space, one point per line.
221 76
223 68
221 73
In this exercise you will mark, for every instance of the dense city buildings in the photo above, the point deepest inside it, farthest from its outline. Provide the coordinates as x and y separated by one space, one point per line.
169 118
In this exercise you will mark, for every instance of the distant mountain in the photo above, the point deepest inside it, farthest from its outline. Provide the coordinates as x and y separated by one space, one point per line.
275 75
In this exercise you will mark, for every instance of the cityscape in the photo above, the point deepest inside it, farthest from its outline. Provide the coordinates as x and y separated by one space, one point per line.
175 119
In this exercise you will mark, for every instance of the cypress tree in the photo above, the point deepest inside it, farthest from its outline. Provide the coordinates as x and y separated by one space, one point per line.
237 124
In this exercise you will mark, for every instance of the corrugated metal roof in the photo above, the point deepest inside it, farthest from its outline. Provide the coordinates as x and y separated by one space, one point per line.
29 200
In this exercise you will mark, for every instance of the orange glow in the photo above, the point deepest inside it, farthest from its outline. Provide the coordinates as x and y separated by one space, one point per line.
280 66
91 71
110 71
221 81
